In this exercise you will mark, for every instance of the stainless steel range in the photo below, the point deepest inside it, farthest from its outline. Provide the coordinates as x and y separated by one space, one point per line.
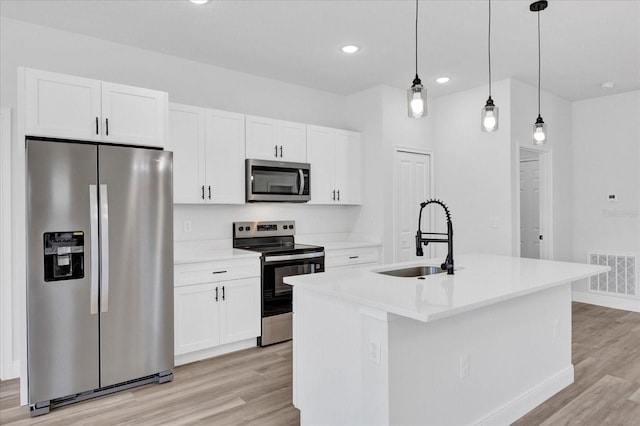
281 257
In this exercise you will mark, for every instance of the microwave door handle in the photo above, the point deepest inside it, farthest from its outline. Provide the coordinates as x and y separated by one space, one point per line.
301 175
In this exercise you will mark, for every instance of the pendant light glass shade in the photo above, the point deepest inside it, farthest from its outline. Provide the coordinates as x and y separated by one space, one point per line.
489 113
539 132
417 99
489 122
539 127
417 94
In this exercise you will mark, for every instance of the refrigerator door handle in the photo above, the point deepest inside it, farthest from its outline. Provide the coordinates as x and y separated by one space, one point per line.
104 249
93 209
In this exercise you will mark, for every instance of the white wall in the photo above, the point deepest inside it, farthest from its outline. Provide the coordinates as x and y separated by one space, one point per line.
476 172
473 171
606 156
381 114
556 113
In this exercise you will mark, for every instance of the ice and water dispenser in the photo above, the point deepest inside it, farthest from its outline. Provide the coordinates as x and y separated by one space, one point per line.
63 255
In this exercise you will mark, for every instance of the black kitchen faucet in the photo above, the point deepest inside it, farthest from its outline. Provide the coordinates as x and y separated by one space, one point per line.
426 237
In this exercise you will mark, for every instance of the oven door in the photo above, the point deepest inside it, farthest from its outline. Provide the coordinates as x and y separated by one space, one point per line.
277 297
277 181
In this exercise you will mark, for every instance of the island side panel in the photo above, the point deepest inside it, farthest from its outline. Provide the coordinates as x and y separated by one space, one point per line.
487 366
327 356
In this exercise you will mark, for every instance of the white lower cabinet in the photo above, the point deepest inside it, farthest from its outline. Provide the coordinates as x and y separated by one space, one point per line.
351 257
211 314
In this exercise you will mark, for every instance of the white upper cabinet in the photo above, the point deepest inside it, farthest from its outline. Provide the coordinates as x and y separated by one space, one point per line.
208 155
336 165
133 115
64 106
187 141
277 140
225 177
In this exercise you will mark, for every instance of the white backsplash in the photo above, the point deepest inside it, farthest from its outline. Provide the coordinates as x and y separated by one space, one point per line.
214 222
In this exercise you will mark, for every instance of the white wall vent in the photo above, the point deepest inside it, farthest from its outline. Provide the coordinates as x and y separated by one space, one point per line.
621 280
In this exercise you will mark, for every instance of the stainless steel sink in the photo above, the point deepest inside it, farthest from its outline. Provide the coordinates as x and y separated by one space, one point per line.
415 271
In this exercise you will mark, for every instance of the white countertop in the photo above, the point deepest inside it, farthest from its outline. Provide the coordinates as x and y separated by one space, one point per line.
479 280
341 245
208 254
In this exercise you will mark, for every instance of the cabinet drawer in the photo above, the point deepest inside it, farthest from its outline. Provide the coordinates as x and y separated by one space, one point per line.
206 272
347 257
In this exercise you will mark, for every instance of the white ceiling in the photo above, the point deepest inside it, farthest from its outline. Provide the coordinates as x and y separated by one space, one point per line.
584 43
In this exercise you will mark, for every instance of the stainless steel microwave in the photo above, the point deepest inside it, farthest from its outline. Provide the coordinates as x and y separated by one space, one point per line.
277 181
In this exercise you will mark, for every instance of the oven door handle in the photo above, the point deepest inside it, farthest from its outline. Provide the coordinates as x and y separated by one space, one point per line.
269 259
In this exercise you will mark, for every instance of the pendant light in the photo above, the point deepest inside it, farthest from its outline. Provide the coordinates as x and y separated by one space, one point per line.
539 127
417 95
489 116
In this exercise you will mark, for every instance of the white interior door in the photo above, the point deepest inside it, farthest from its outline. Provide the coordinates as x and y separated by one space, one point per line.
530 208
412 186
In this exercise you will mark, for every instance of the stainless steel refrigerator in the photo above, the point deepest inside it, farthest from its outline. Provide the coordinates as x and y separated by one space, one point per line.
99 270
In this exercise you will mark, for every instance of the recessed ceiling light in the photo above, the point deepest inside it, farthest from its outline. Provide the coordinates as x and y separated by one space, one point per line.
350 48
442 80
199 1
608 85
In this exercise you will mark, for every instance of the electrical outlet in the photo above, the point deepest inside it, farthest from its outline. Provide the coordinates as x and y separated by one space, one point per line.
186 226
374 350
465 365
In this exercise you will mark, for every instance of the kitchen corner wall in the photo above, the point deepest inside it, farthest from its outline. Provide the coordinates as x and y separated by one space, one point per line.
473 171
380 113
606 160
476 172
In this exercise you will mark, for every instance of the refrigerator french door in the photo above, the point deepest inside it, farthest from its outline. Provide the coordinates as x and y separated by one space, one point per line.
100 276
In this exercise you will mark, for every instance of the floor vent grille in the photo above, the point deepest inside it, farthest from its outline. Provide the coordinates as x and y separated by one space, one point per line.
620 280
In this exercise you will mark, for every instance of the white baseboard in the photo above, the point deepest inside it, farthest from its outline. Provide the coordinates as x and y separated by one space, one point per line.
526 402
623 303
216 351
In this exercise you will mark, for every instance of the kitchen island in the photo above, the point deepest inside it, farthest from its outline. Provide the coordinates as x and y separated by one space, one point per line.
482 346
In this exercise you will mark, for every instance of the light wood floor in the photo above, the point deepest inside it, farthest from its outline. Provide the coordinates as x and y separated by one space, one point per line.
254 386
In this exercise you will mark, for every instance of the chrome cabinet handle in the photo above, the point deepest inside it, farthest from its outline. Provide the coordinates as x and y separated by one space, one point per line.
222 292
104 249
334 195
216 294
280 151
97 130
203 192
107 120
276 147
338 195
95 266
209 191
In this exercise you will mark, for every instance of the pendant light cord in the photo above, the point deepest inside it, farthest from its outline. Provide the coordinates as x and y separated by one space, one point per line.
489 48
416 38
538 63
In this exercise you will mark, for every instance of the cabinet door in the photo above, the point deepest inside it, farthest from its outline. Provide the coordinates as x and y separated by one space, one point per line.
225 174
348 167
133 115
240 310
196 318
62 106
187 141
261 140
321 153
292 137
